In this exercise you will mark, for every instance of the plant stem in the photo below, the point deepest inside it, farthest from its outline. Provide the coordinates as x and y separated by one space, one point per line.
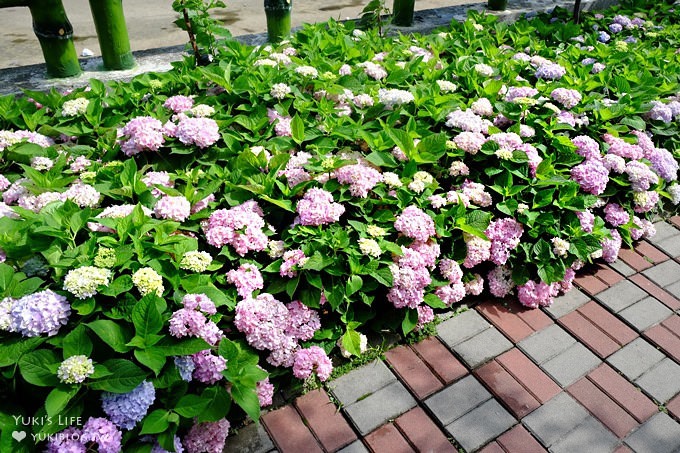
577 11
112 33
55 34
278 18
192 37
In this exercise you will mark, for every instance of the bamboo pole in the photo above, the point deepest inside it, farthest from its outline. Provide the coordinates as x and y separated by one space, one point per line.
278 18
112 33
55 34
402 12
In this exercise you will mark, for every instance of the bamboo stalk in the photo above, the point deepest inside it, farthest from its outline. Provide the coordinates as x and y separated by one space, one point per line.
112 33
278 18
402 12
55 33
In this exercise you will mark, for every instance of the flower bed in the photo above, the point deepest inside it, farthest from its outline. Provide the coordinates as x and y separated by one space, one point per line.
174 242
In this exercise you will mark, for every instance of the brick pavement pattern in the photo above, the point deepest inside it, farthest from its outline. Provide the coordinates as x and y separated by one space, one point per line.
598 371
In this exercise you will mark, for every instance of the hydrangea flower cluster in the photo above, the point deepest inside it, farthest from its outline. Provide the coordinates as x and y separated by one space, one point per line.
568 98
410 277
75 369
208 367
192 321
361 178
504 235
247 279
39 313
127 409
317 207
292 258
195 261
240 227
179 103
99 431
455 290
415 224
143 133
84 281
392 97
9 138
207 437
201 132
175 208
75 107
148 281
310 360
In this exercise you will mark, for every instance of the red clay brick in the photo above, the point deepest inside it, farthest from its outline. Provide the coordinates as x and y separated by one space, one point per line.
608 275
422 432
505 320
518 440
325 420
623 449
666 298
673 407
649 251
506 388
529 375
601 406
590 284
493 447
387 438
673 324
440 360
666 339
623 392
634 260
608 323
536 319
589 334
675 220
413 371
288 432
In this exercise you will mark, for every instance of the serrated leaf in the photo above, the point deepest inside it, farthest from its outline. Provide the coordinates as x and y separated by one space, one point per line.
59 398
124 377
354 284
77 342
113 334
155 422
147 320
40 368
351 341
410 320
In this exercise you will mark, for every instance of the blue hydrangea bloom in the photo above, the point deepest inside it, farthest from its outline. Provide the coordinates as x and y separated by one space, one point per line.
185 365
126 409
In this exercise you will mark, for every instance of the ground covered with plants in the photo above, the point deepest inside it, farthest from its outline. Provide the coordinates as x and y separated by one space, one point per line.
177 247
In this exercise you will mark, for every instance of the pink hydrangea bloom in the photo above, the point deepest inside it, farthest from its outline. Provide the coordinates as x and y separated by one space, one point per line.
265 392
475 287
587 220
476 193
611 247
504 235
425 316
415 223
568 98
592 176
500 281
303 321
409 279
534 295
478 251
179 104
240 227
310 360
317 208
450 270
292 258
470 142
142 133
640 175
202 132
247 279
622 148
361 178
450 294
587 147
207 437
154 178
209 367
174 208
615 214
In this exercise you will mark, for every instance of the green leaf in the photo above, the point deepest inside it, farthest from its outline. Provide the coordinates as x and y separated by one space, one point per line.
40 368
246 398
155 422
351 341
317 262
190 405
152 358
187 346
59 398
112 333
297 127
218 404
384 276
77 342
12 349
478 219
435 302
6 277
410 320
124 377
119 286
147 320
354 284
381 159
403 140
635 122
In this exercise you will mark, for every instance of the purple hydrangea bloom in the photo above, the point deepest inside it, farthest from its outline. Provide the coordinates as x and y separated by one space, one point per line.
615 28
550 71
591 175
104 433
603 37
660 112
126 409
39 313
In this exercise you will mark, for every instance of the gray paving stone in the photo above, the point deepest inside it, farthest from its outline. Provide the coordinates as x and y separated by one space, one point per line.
590 436
250 439
662 382
635 358
621 295
570 365
461 327
665 273
387 403
482 347
458 399
567 303
664 230
671 246
362 381
674 289
481 425
547 343
555 419
623 268
355 447
659 434
645 313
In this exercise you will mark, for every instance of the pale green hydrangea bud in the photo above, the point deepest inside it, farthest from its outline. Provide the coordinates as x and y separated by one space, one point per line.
195 261
84 281
105 258
148 281
75 369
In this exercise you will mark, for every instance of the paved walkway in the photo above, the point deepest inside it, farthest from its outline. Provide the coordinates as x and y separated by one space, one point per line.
599 371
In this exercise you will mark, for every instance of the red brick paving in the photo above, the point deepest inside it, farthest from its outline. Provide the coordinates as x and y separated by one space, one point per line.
505 387
665 337
440 360
602 407
675 220
518 440
673 407
590 284
529 375
387 438
634 260
423 433
325 420
598 329
493 447
654 290
413 371
650 252
623 449
515 321
623 392
608 275
288 431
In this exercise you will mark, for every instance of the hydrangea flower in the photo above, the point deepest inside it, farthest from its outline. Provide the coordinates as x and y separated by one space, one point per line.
394 97
202 132
148 281
592 176
310 360
505 236
550 71
361 178
568 98
415 223
537 294
500 281
207 437
279 90
104 433
143 133
175 208
370 247
247 279
208 367
292 258
75 369
240 227
39 313
75 107
84 281
195 261
179 103
265 392
127 409
317 208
